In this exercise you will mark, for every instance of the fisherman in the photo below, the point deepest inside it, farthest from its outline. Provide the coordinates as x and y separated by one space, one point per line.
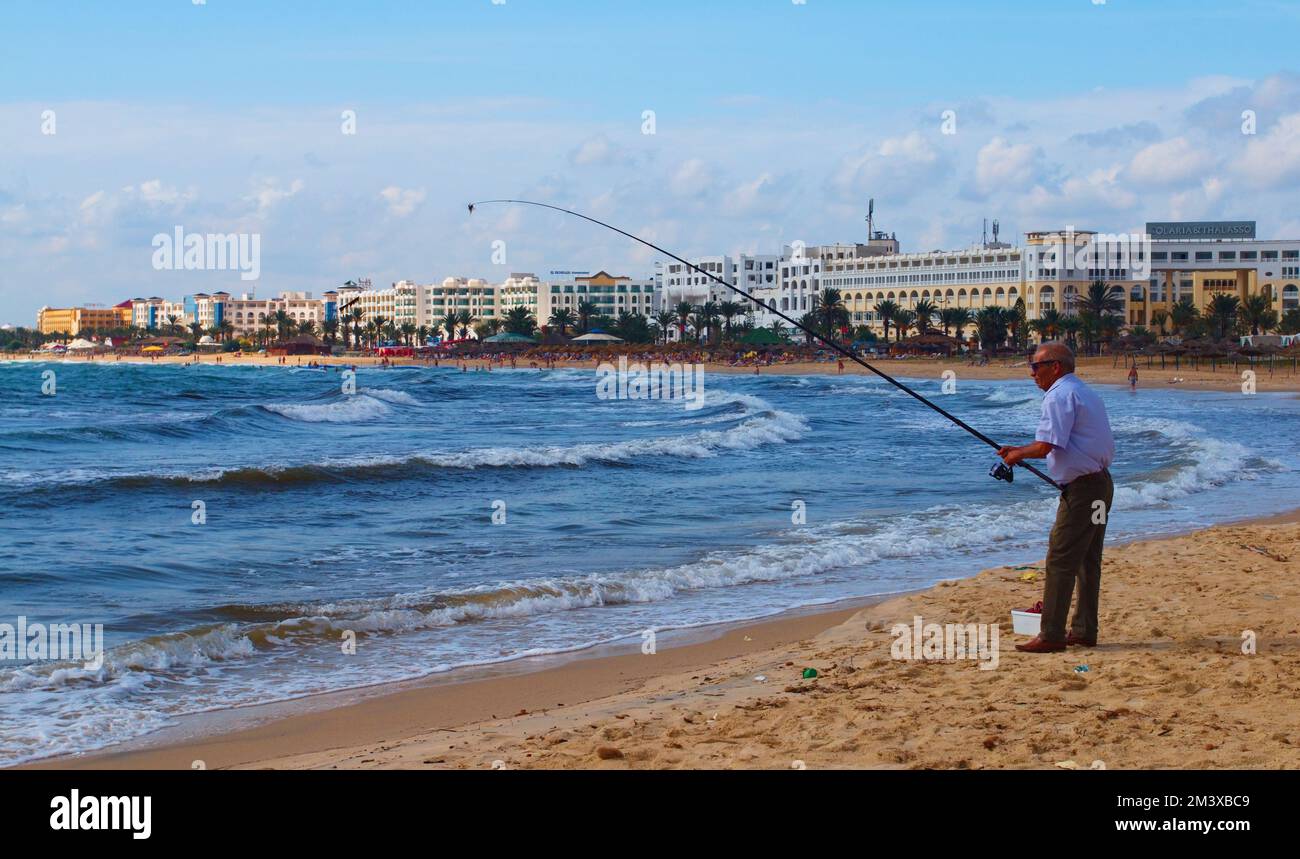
1074 434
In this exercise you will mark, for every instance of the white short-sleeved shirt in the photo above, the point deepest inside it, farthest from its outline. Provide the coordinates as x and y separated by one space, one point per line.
1074 423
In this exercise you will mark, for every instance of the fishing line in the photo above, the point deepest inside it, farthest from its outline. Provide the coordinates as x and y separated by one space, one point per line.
1001 471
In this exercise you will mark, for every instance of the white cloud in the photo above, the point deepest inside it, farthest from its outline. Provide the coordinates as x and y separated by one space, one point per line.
155 192
1004 166
1274 158
692 179
597 150
1169 162
895 168
749 197
401 201
269 192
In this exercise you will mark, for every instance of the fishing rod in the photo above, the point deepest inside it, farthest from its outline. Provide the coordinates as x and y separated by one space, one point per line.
1000 471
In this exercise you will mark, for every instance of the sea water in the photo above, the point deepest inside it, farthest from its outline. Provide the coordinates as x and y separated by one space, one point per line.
234 527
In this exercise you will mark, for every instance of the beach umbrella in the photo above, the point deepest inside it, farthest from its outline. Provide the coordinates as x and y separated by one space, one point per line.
597 337
509 337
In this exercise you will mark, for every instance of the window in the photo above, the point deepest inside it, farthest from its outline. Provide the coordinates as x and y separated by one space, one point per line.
1268 255
1204 255
1159 256
1178 256
1227 255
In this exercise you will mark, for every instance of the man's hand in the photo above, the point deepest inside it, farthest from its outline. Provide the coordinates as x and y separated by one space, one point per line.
1011 454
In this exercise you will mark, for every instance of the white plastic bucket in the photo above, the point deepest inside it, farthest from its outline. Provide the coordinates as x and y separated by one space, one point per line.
1026 622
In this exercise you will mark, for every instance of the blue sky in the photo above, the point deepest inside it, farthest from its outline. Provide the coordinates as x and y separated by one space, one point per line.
774 121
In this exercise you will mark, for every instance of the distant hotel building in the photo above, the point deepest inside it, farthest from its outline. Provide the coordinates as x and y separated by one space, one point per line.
1200 259
745 272
611 296
1051 271
455 294
76 320
246 314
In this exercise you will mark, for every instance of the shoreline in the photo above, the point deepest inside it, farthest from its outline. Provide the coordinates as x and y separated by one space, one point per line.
606 669
470 718
1094 369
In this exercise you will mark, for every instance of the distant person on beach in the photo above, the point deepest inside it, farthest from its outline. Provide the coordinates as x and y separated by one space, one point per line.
1074 434
1133 378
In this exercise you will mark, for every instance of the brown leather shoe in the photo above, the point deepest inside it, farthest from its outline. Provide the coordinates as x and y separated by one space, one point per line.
1073 640
1038 645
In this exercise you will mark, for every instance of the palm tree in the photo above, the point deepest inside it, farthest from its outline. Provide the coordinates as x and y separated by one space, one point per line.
465 319
1222 313
729 310
1183 315
991 327
1100 301
708 314
355 315
449 324
925 312
886 310
196 329
331 329
224 329
1051 321
307 326
171 324
1257 312
282 323
422 334
370 334
903 320
683 312
664 319
519 321
408 330
586 310
828 305
1158 319
1069 326
563 317
1290 323
809 321
960 317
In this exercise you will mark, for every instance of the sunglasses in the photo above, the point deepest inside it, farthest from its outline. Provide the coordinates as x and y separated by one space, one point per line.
1034 365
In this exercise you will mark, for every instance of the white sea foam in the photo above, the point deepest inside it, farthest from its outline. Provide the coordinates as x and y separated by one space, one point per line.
399 397
1213 462
348 409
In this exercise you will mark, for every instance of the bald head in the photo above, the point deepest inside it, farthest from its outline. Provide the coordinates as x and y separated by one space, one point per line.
1056 351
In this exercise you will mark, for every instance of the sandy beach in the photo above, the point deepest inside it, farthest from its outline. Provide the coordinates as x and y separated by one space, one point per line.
1098 369
1168 686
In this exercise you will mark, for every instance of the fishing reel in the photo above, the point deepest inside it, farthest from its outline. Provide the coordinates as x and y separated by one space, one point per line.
1002 471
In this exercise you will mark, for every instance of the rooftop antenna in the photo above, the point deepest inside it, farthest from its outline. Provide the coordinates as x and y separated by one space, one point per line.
871 218
995 231
984 238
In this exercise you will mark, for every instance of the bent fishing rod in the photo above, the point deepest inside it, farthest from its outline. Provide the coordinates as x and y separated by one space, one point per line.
999 471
